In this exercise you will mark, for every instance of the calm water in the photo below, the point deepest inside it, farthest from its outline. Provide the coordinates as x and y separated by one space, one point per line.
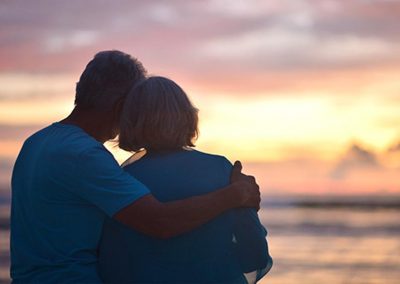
312 245
344 245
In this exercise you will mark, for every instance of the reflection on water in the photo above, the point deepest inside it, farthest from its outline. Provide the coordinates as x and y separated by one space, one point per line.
342 245
313 244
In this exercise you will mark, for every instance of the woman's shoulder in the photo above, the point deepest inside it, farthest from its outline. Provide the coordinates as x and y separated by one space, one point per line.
184 157
213 157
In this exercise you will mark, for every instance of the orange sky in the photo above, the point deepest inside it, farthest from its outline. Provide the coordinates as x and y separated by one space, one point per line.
291 85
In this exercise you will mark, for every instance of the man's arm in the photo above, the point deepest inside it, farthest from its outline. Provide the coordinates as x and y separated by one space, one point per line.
165 220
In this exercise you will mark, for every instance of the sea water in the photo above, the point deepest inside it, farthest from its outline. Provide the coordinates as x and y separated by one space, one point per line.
313 242
333 244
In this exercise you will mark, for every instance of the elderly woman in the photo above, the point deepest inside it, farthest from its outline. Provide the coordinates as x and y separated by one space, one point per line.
159 123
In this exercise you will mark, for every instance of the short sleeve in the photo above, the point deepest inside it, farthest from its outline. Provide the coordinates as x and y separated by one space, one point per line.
102 182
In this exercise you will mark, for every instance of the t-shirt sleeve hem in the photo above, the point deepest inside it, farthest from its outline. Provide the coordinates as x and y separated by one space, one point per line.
112 210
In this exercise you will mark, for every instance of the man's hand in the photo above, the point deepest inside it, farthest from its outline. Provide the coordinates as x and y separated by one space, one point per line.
246 186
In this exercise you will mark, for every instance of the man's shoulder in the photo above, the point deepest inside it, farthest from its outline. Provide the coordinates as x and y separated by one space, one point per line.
63 140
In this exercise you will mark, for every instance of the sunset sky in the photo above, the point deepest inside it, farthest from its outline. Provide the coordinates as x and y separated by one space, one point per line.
306 93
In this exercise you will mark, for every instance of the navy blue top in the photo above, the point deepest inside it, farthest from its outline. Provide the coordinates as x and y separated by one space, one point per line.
218 251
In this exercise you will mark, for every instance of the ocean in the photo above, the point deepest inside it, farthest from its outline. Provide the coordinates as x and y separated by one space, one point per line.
312 240
345 241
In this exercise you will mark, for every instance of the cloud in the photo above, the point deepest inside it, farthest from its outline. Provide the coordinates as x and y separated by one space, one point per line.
80 38
186 36
356 158
278 47
20 86
17 132
241 9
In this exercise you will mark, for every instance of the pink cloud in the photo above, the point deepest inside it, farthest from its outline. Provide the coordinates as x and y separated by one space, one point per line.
169 36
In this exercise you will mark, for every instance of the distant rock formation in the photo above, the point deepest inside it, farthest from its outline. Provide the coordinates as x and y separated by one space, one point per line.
356 157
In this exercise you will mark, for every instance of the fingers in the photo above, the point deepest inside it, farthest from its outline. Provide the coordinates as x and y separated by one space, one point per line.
237 167
251 179
250 192
236 171
256 195
238 164
253 201
256 202
237 174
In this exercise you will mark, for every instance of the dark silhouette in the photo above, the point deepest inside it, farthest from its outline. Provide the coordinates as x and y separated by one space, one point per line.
65 183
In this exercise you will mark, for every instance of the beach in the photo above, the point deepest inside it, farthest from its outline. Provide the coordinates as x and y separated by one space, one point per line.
311 241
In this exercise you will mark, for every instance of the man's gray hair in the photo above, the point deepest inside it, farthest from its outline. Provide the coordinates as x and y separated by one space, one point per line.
107 78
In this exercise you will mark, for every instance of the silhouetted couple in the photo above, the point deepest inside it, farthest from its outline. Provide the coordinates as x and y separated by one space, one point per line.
170 215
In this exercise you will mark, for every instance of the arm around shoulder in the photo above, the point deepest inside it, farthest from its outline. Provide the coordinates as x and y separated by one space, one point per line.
169 219
166 220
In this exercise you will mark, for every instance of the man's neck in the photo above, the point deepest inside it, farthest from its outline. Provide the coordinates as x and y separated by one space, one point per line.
92 122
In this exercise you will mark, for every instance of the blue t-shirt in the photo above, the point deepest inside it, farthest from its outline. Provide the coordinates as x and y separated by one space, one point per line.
64 184
217 252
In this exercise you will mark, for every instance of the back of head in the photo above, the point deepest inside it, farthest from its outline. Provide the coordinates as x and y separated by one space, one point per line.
107 78
158 116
